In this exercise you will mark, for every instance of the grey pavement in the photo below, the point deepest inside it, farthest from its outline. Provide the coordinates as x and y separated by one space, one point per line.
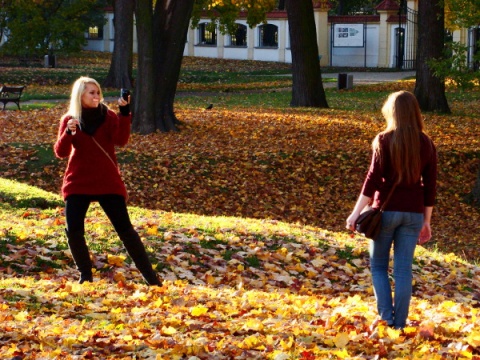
367 77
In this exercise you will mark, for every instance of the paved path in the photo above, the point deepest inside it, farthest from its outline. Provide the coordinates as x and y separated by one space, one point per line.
366 77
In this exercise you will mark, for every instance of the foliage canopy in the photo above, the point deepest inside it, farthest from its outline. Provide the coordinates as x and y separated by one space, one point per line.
34 28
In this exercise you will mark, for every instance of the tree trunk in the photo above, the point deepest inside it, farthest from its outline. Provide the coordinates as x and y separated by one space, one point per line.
171 21
307 89
429 89
474 196
120 73
143 109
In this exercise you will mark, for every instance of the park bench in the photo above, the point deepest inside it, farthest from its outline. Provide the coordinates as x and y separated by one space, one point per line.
11 94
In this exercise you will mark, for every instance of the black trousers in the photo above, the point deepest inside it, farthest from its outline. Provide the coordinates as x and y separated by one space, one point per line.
76 207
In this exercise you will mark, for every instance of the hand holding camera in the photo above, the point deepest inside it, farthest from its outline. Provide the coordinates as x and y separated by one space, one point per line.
124 95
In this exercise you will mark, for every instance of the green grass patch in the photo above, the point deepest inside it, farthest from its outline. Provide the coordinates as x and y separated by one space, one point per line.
20 195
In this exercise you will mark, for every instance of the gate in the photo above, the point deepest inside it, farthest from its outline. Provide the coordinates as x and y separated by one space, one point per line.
407 39
473 48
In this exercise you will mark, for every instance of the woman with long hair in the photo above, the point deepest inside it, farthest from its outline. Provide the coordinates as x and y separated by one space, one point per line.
403 157
87 135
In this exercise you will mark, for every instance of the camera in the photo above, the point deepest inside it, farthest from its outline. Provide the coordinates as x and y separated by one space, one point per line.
124 93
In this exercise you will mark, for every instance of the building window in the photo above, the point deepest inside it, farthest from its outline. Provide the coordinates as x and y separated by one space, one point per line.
95 32
268 35
239 38
207 34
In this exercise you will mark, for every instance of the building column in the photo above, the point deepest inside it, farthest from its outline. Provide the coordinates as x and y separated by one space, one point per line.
321 23
384 41
251 42
190 45
220 45
282 40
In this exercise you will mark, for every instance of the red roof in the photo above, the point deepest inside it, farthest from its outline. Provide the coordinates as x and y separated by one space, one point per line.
322 4
353 19
388 5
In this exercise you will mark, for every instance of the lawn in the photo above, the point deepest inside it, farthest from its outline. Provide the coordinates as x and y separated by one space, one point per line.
243 215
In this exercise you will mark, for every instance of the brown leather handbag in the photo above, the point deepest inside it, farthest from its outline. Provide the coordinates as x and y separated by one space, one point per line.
369 222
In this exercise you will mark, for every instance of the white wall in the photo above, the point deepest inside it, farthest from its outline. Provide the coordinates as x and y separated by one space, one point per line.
339 56
357 56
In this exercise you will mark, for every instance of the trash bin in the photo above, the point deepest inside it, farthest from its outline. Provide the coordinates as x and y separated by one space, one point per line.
344 81
50 61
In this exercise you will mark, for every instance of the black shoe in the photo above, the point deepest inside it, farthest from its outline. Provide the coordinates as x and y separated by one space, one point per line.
135 248
85 278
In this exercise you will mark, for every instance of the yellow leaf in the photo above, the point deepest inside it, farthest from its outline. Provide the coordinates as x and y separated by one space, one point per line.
342 354
474 338
393 334
168 330
210 279
341 340
253 324
198 310
250 342
21 316
116 260
152 230
287 344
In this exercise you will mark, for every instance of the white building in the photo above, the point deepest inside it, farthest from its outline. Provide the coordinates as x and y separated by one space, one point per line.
386 40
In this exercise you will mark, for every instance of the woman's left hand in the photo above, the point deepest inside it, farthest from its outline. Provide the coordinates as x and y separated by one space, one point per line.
351 221
425 234
123 102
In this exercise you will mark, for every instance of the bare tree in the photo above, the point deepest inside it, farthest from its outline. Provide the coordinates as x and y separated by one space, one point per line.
120 72
430 89
162 33
307 88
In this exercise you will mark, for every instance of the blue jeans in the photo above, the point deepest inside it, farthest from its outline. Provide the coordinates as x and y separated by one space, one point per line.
402 230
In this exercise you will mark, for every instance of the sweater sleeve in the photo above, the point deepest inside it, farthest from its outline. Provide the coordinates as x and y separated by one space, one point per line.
63 145
121 132
429 177
374 178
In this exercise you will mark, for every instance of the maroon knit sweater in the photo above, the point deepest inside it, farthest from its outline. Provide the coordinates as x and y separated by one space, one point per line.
406 197
89 170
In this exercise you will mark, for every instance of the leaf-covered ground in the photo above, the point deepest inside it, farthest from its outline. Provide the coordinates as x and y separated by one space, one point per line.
243 214
234 289
295 165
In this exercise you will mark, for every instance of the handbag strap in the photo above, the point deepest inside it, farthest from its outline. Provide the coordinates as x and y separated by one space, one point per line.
109 157
388 197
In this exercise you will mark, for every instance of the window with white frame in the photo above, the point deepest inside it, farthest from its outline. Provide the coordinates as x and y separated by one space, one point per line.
95 32
207 34
239 38
268 35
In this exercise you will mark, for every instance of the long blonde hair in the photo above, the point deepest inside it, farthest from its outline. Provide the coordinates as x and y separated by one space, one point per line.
405 124
78 88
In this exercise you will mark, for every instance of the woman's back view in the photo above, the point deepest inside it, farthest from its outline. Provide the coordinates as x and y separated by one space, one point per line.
404 157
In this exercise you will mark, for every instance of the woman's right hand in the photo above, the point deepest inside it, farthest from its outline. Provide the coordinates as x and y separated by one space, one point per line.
351 221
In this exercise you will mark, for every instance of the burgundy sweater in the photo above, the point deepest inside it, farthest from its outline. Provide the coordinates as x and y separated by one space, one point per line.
89 170
406 197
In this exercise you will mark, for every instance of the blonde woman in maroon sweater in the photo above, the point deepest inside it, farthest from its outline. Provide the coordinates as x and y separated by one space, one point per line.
87 135
403 155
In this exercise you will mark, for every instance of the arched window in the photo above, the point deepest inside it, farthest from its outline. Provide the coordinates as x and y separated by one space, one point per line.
239 38
268 35
207 34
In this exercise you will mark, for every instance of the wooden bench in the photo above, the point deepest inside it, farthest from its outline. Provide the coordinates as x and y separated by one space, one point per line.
11 94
